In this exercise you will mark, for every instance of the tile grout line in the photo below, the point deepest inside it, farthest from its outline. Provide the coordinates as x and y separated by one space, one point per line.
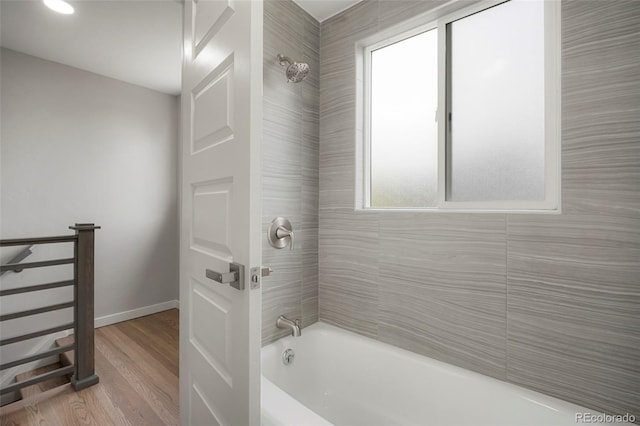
506 298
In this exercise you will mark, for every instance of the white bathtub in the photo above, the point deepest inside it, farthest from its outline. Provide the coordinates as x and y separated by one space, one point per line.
342 378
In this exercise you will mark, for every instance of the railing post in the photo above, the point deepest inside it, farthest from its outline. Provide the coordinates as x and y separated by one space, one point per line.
85 374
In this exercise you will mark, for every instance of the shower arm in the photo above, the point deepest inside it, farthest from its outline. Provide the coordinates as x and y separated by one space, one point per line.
284 60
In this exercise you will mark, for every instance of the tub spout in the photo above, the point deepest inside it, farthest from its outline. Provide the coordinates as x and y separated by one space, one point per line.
294 326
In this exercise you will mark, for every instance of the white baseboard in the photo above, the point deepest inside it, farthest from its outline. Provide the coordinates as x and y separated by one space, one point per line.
136 313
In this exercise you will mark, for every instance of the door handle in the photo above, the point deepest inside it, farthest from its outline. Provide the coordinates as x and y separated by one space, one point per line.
235 276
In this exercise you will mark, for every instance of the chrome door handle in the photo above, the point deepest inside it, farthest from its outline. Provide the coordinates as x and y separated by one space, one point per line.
235 276
222 278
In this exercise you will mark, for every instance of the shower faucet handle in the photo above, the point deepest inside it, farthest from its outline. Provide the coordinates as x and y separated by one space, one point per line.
283 232
280 233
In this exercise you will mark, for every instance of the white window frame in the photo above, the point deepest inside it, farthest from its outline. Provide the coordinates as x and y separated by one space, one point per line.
438 19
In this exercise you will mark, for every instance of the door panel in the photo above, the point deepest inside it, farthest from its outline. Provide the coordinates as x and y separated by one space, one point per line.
220 212
211 328
215 94
211 203
209 18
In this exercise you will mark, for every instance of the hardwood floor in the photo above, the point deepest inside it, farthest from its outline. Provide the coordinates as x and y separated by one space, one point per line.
137 362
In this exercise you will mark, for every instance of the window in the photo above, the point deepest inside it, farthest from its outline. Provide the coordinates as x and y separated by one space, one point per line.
462 113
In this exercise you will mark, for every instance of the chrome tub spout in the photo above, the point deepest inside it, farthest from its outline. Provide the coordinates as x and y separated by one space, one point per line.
285 323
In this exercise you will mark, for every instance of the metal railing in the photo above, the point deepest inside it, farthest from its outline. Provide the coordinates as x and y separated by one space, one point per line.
83 368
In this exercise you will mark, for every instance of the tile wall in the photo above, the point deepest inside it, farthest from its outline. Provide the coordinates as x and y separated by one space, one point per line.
290 166
550 302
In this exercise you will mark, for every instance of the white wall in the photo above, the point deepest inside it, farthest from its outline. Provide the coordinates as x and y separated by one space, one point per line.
79 147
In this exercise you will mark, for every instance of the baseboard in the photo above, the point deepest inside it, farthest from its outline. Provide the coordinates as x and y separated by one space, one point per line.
136 313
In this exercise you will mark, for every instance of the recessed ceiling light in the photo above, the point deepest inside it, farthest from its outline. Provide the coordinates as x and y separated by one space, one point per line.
59 6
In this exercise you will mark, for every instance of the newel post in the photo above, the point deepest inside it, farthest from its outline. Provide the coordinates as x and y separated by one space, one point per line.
85 374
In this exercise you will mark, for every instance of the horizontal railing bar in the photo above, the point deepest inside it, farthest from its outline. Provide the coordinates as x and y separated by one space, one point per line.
36 334
41 240
15 266
37 379
45 354
19 290
36 311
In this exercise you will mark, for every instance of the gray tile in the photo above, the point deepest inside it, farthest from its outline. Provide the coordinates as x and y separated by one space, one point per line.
574 309
310 198
311 51
337 155
291 164
309 311
336 177
331 199
353 24
281 152
601 105
282 300
443 287
545 355
283 31
574 280
283 275
392 12
348 270
338 140
349 304
309 254
439 284
281 197
284 22
310 275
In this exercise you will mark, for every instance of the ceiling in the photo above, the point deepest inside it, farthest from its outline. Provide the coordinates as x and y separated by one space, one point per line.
139 42
136 41
324 9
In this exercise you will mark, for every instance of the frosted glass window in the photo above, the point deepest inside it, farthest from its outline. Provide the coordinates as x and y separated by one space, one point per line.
404 133
497 104
464 116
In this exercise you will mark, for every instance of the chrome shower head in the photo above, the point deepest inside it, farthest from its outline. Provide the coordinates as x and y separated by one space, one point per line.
296 71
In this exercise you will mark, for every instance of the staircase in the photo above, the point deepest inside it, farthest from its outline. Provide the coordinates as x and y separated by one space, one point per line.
78 369
65 359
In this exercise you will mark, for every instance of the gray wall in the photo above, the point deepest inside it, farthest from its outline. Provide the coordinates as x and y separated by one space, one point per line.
79 147
290 166
550 302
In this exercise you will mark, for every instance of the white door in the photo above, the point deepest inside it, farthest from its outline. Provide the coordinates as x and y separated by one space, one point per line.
220 212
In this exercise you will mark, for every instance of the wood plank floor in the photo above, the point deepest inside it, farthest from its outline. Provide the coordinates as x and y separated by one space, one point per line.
137 362
30 391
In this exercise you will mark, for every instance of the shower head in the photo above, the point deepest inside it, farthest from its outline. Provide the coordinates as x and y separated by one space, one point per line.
296 71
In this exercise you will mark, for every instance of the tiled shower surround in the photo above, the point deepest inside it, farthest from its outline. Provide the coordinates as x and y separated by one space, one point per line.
547 301
290 170
550 302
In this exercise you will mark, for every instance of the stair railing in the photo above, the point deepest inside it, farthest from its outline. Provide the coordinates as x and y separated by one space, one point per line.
83 309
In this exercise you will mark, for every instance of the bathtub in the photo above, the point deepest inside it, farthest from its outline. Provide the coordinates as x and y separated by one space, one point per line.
341 378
